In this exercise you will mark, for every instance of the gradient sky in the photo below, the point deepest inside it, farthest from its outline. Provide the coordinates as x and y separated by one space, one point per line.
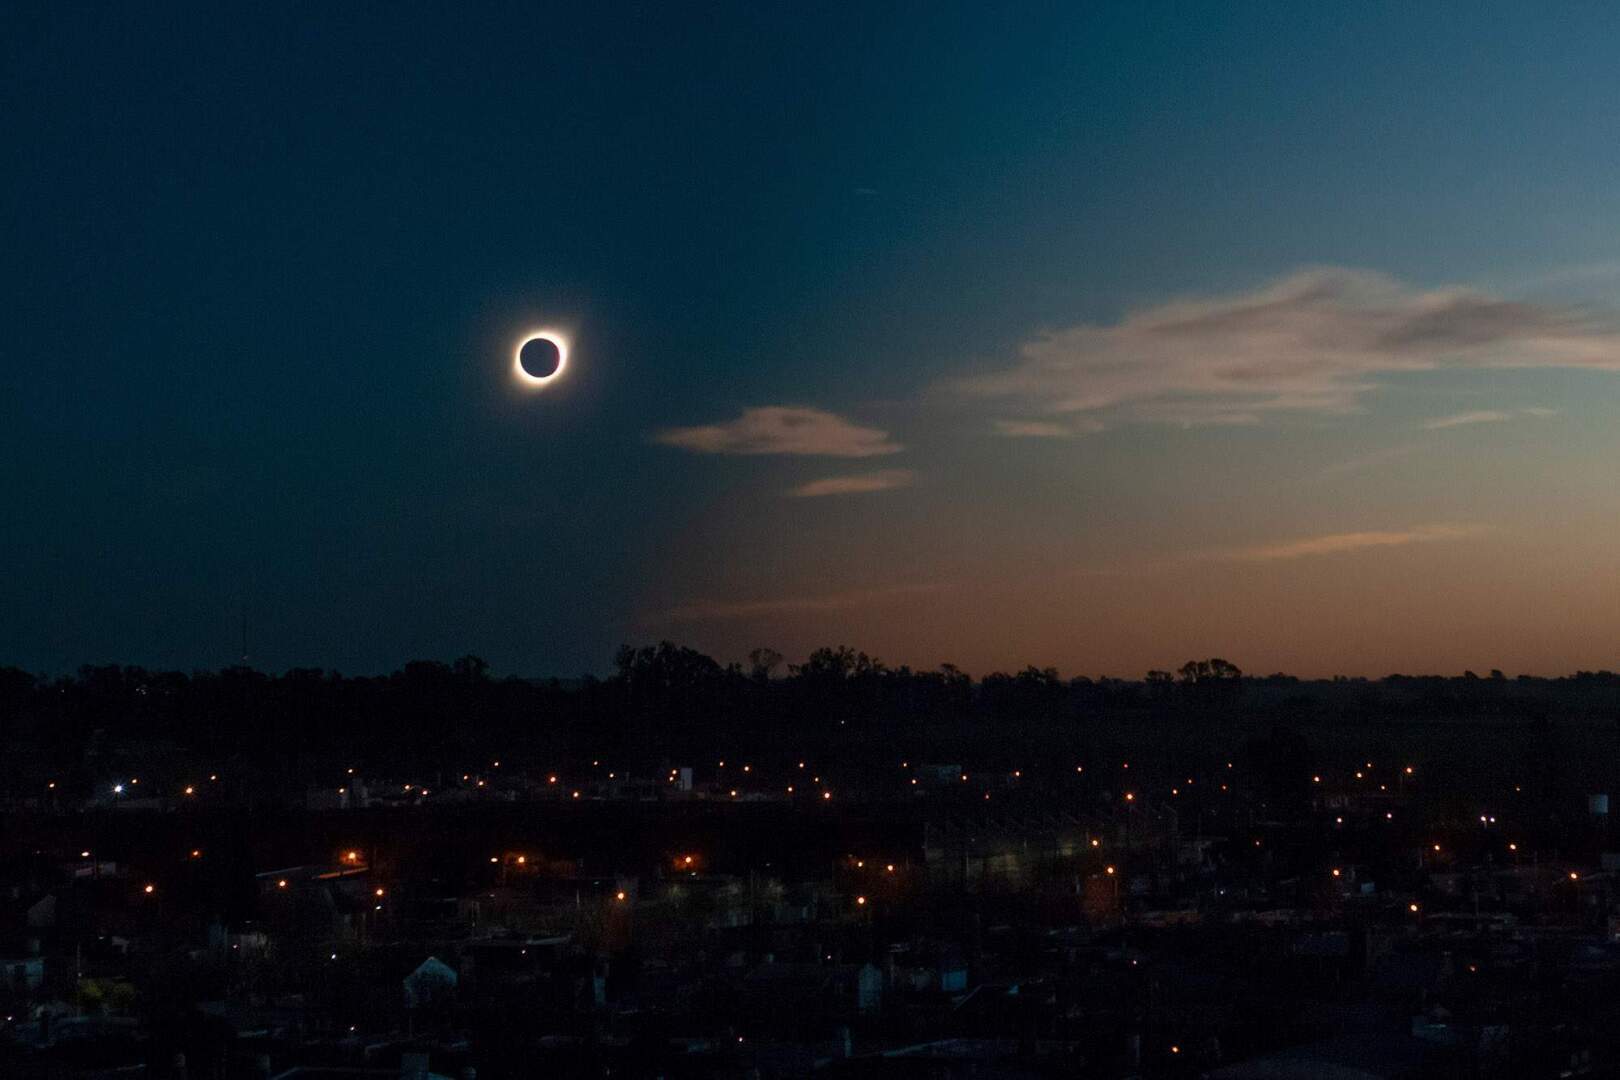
1093 336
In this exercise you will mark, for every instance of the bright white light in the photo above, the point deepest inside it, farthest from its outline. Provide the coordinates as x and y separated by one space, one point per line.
557 338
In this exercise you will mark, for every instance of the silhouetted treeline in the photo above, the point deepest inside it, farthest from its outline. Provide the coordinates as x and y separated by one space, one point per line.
666 702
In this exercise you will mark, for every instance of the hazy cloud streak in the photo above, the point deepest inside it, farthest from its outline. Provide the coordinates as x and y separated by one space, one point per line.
1479 416
1048 429
782 429
1487 416
1340 543
1313 341
857 484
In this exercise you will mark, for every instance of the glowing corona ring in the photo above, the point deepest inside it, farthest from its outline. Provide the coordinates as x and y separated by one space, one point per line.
536 382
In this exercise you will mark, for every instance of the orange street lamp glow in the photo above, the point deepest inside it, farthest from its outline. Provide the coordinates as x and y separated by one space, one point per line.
149 890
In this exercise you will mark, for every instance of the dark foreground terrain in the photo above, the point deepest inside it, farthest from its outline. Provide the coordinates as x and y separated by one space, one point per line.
689 870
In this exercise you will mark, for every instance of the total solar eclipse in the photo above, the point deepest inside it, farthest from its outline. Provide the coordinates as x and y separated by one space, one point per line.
540 358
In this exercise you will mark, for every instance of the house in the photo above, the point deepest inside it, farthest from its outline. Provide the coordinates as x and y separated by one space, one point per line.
928 968
22 974
432 982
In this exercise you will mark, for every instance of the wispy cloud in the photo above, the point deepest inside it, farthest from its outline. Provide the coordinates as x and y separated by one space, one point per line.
856 484
782 429
1462 419
1485 416
1048 429
1341 543
715 610
1313 342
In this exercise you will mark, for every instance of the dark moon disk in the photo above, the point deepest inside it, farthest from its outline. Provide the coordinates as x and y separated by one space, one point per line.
539 358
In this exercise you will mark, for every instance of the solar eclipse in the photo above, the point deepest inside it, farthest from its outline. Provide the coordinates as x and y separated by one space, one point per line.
540 358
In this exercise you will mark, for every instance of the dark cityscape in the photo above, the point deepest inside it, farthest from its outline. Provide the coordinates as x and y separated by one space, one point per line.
769 540
684 869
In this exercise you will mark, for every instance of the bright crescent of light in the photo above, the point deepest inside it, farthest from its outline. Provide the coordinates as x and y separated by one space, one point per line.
557 338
